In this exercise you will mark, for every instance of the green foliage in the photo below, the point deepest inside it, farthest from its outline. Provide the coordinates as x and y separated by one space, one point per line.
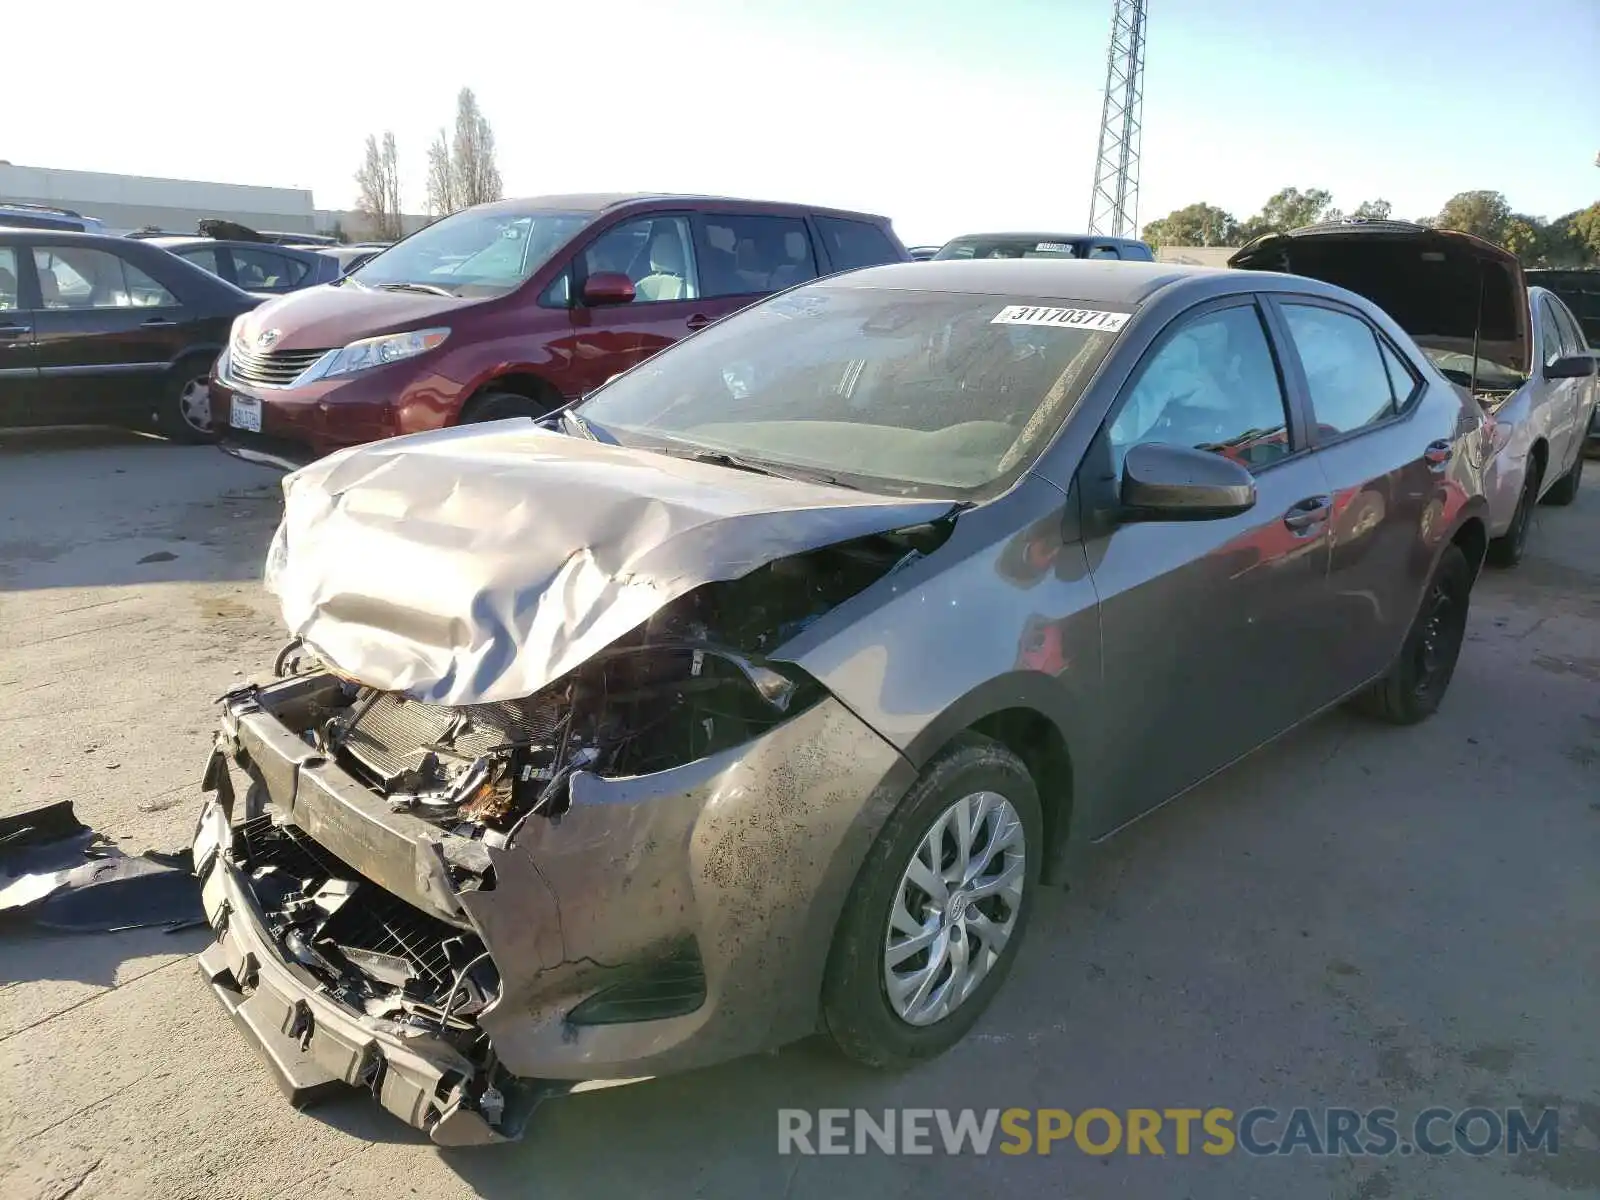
1197 225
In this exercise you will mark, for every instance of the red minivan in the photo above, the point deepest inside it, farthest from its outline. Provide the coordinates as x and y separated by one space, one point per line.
512 308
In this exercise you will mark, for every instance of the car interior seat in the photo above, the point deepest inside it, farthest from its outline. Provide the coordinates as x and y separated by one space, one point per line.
49 289
666 278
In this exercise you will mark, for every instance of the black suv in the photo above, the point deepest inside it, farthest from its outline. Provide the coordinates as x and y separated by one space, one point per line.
99 330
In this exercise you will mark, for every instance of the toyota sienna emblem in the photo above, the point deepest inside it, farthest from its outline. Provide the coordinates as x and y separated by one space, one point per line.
267 339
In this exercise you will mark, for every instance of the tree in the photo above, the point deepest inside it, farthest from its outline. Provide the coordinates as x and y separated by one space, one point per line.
379 181
441 178
1373 210
1290 208
1197 225
1482 213
1583 228
474 176
1526 237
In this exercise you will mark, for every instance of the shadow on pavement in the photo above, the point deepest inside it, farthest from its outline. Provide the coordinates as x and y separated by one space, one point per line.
88 507
27 953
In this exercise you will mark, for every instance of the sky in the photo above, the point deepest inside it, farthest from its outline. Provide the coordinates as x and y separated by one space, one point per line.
949 116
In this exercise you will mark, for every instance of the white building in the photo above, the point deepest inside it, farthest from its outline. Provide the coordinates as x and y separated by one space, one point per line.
129 202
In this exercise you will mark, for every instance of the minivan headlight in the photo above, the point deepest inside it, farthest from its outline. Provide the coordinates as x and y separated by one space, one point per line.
381 351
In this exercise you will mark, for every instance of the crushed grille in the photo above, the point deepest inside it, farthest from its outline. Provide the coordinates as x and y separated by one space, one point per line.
388 739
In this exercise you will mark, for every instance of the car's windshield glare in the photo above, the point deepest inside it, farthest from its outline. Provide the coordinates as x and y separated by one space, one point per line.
473 253
916 392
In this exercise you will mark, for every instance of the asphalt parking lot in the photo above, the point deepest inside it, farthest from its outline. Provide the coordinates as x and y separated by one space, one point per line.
1358 916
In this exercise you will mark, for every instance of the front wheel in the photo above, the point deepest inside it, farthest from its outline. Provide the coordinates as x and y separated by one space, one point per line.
498 406
184 414
1419 678
1507 549
934 919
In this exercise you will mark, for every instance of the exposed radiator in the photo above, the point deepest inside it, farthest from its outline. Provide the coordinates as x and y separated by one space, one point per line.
391 736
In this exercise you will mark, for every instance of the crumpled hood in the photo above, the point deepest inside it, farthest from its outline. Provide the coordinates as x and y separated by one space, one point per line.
479 563
1429 280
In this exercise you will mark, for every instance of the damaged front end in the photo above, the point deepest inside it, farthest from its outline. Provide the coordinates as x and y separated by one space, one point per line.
466 908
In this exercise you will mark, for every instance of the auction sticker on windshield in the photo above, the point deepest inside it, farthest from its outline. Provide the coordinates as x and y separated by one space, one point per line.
1072 318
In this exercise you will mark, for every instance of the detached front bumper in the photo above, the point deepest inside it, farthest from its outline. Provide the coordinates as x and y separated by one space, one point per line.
723 878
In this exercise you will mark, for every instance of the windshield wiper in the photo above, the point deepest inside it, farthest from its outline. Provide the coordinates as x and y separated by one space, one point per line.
431 289
581 425
756 466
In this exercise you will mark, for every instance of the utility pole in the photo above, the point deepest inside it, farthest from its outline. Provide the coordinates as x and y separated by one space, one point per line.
1114 207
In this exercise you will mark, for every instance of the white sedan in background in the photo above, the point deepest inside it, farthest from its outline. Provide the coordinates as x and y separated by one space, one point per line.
1466 302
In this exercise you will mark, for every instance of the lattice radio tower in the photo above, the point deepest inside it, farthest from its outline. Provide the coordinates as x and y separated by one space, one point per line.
1114 209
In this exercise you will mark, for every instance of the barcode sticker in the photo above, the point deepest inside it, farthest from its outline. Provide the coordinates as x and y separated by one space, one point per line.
1053 246
1071 318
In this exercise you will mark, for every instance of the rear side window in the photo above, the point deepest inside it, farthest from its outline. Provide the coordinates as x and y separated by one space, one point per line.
1136 252
752 255
1403 379
265 270
853 244
1344 365
8 279
85 277
1102 251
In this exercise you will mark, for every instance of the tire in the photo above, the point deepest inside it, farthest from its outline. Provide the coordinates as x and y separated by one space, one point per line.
1507 549
184 414
498 406
857 1012
1416 683
1565 490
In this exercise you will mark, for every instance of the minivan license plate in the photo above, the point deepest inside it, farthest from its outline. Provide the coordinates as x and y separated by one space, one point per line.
246 414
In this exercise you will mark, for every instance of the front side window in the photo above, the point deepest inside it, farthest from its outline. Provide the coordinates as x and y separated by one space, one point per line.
1549 334
653 252
83 277
916 393
473 253
853 244
1103 252
753 255
9 300
262 270
1212 385
1573 331
1344 367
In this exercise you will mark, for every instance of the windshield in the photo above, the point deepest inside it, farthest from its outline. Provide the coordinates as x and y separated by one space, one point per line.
915 393
473 252
1457 367
1008 247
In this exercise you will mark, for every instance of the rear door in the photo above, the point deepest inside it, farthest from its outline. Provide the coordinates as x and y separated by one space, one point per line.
261 269
105 334
1212 631
1384 471
19 370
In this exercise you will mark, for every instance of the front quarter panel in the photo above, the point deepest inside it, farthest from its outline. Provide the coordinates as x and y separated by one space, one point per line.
1003 615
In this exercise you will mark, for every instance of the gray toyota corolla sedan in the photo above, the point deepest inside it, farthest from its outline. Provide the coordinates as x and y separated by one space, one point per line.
758 693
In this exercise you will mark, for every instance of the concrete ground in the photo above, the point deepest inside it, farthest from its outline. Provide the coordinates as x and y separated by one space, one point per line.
1359 916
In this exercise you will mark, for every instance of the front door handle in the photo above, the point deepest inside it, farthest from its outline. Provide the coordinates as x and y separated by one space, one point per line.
1308 513
1437 454
698 321
157 323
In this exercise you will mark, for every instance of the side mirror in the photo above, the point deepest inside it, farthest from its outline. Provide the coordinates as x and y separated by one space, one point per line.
607 287
1176 483
1573 366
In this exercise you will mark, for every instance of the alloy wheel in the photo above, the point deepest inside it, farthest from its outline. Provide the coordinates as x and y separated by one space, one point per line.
194 404
955 908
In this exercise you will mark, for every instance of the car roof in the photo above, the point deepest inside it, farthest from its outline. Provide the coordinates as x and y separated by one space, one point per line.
68 236
1097 281
599 202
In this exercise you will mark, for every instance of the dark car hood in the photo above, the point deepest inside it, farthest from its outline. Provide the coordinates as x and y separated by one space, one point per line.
1429 280
479 563
326 317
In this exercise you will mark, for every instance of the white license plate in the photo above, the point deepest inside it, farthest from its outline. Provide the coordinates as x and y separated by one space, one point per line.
246 414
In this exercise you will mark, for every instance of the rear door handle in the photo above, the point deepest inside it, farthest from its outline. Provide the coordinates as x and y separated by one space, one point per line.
1437 454
698 321
157 323
1308 513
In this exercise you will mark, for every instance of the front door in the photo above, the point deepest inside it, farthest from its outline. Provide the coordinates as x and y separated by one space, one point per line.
1208 628
106 333
19 372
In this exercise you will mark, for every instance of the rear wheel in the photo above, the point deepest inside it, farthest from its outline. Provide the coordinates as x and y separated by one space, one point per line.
184 414
498 406
1419 678
1507 549
934 919
1565 490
